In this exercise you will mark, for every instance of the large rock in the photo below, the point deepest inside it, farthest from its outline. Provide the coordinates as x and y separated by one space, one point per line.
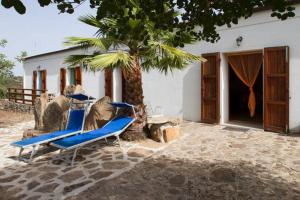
171 133
53 117
56 113
100 112
64 104
78 90
39 108
73 89
32 133
164 129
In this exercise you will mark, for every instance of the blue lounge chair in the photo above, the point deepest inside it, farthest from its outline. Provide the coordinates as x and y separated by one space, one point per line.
75 125
113 128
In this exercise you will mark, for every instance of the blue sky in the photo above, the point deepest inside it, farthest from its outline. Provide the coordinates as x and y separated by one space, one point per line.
40 30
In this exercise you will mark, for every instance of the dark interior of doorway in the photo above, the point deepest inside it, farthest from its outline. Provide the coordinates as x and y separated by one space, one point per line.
238 101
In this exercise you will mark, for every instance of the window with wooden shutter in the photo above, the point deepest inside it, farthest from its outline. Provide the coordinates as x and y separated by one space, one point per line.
44 81
34 79
276 89
108 74
210 91
62 80
34 86
78 80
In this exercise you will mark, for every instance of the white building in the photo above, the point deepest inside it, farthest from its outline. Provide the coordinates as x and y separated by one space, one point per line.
224 96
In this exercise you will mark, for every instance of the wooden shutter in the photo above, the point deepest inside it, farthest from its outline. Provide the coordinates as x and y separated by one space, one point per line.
44 75
276 89
210 90
62 80
34 77
78 76
34 80
108 73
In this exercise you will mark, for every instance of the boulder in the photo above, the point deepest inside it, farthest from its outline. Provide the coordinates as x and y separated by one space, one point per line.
101 112
32 133
53 117
78 90
171 133
69 90
64 104
164 129
73 89
39 108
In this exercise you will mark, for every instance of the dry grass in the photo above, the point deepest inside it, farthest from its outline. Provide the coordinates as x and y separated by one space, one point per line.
10 118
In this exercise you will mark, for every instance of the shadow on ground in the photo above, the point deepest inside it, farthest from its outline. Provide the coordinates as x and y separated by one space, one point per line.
163 178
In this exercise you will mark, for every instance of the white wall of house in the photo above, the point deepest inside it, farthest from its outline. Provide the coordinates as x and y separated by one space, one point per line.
92 82
179 93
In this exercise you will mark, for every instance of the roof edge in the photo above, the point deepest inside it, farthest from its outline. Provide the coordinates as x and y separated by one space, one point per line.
52 52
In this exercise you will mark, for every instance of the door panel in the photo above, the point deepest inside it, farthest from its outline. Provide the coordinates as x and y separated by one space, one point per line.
210 89
78 80
44 75
34 79
108 73
62 80
276 89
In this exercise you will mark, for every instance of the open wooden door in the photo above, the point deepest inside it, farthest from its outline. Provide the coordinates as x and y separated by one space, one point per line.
276 89
44 75
108 74
62 80
210 89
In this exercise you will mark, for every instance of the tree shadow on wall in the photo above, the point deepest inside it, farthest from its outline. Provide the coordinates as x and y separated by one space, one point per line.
191 96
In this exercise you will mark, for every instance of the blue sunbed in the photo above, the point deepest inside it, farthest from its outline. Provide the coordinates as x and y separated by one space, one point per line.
113 128
74 126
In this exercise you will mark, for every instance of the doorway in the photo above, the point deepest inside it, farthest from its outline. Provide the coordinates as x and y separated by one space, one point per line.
241 70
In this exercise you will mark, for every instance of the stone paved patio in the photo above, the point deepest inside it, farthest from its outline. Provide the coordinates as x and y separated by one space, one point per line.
207 162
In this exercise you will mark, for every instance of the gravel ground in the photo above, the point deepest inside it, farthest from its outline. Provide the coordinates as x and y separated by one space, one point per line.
10 118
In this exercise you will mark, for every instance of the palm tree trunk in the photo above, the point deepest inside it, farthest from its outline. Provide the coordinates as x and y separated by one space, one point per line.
133 94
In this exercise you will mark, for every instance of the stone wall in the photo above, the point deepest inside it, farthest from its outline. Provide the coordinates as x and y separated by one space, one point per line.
15 107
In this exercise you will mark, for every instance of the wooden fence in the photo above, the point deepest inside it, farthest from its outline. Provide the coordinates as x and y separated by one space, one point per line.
25 96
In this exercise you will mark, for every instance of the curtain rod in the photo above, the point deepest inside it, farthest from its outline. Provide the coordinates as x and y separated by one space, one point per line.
243 52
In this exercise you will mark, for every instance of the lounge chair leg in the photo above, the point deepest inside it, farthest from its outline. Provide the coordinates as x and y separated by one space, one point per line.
74 156
20 153
34 149
119 141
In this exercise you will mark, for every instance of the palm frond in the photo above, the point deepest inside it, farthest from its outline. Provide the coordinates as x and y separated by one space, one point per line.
74 60
111 60
99 43
90 20
166 58
175 52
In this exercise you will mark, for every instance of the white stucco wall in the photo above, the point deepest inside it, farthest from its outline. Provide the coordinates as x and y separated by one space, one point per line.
179 94
92 82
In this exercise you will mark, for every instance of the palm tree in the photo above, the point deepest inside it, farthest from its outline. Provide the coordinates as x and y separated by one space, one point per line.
132 55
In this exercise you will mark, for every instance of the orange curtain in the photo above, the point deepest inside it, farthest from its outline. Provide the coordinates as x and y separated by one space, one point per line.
246 67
